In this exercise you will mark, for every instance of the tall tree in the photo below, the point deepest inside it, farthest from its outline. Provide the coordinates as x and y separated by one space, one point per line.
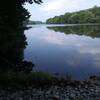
12 38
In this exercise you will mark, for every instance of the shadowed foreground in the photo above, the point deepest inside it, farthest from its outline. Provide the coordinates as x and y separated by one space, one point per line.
44 87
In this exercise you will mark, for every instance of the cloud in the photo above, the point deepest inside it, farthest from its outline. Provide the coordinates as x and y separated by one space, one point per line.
51 8
53 5
62 5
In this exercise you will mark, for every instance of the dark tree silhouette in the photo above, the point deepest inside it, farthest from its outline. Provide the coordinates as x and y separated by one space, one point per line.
12 38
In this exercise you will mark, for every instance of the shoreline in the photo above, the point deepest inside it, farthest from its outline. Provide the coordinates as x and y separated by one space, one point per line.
83 90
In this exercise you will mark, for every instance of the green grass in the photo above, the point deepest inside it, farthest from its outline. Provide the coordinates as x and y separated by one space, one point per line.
37 79
22 79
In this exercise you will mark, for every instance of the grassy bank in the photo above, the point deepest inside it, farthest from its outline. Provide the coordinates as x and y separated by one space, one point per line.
21 79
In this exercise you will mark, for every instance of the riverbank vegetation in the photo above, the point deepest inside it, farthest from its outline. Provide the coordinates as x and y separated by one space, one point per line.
91 15
37 79
13 41
86 30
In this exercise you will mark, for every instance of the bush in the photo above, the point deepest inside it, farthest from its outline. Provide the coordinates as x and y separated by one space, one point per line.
22 79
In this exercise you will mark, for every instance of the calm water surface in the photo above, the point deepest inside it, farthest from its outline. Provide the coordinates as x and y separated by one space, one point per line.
64 49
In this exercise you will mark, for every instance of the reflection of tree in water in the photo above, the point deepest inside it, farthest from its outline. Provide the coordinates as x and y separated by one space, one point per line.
89 30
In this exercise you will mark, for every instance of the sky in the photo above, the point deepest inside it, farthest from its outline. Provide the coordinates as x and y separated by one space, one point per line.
51 8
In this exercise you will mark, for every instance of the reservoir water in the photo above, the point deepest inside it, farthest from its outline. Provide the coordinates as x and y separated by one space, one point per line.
64 49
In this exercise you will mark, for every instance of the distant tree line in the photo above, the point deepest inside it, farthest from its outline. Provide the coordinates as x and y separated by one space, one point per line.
91 15
30 22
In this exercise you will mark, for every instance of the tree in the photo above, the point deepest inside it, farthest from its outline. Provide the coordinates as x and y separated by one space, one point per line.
12 38
84 16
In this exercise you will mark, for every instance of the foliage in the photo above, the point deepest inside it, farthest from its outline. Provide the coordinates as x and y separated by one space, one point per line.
12 38
88 30
91 15
24 80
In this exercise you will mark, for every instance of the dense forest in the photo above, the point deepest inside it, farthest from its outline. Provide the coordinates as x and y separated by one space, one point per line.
91 15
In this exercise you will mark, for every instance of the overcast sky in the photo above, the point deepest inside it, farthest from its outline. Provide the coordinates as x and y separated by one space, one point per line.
51 8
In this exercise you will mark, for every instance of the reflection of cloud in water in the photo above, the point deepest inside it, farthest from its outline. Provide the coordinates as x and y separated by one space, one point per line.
62 39
82 43
53 39
90 50
62 53
83 50
97 60
73 62
97 63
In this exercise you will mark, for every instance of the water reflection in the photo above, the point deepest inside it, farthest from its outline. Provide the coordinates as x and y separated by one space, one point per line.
88 30
56 52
